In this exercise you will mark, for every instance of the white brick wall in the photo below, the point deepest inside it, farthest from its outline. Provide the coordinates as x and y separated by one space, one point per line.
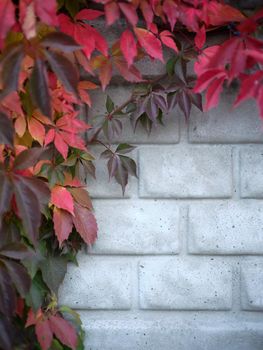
178 264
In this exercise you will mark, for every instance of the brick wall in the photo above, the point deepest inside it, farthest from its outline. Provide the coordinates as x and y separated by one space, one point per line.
179 260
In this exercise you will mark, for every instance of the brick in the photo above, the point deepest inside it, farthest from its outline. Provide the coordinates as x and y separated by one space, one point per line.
185 172
251 173
162 335
102 187
252 286
161 134
137 227
97 284
226 228
167 284
226 124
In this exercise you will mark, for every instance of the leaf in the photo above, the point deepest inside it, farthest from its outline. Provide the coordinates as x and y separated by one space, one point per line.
7 18
88 14
30 157
184 103
85 223
28 207
121 175
36 130
213 93
124 148
129 164
37 293
6 192
129 12
62 199
128 46
40 189
60 41
109 104
19 276
17 251
64 331
131 73
112 12
150 43
11 63
105 74
167 39
53 271
7 130
62 224
200 38
46 11
65 71
39 88
6 334
7 293
44 333
81 196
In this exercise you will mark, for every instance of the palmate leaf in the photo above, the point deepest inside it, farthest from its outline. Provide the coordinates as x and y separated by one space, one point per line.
64 331
85 223
6 333
7 293
5 194
53 271
19 276
60 41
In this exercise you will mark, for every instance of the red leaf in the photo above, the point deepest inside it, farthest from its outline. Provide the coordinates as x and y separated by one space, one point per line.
88 14
31 318
62 224
46 11
150 43
112 12
249 87
213 93
62 199
36 130
147 11
61 145
128 46
167 40
7 18
131 74
217 14
207 78
44 333
85 223
170 8
64 331
129 12
105 74
200 38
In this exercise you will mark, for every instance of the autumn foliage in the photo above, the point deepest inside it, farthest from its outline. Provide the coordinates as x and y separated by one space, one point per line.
52 56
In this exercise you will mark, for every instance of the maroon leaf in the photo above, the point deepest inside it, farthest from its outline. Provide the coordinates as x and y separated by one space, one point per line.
39 88
85 224
184 103
7 293
62 224
28 207
5 194
64 69
19 276
30 157
15 251
6 130
121 175
11 63
60 41
129 164
124 148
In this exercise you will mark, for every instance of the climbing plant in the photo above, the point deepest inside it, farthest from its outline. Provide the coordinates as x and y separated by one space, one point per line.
51 56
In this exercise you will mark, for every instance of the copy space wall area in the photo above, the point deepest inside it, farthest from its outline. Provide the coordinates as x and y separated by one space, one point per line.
178 263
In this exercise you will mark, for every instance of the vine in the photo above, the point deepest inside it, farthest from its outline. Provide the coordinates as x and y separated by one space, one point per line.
52 55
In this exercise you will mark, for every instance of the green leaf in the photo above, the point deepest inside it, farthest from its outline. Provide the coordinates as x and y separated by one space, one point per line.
7 130
109 104
124 148
65 70
38 86
53 271
37 293
60 41
170 65
129 164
